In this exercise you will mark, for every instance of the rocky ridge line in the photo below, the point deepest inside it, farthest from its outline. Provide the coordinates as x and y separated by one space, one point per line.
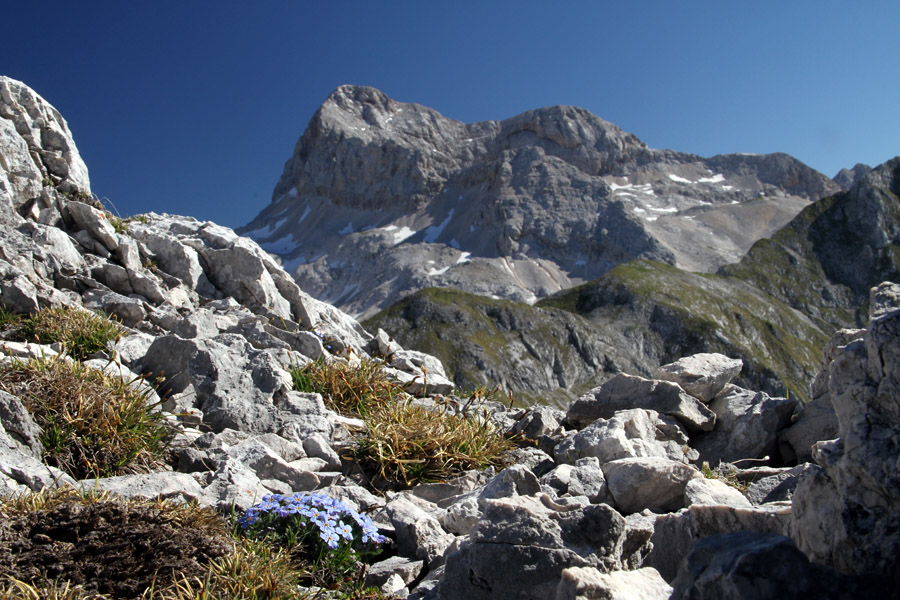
382 198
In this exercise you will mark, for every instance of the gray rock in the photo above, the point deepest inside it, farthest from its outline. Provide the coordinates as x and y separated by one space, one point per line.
627 391
19 425
847 511
520 544
28 471
712 492
776 488
94 222
317 446
760 566
674 534
702 376
419 534
516 480
130 311
267 464
165 485
747 426
378 573
585 583
657 484
538 421
233 485
627 433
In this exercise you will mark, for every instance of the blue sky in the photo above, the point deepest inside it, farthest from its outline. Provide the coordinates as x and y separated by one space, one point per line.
193 107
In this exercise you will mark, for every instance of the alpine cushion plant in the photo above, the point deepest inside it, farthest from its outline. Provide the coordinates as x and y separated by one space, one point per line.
322 534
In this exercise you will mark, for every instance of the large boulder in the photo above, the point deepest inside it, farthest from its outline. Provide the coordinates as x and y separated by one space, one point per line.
747 426
522 545
628 391
625 434
847 510
702 376
657 484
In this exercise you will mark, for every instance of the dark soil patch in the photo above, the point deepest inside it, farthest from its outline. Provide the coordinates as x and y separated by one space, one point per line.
108 547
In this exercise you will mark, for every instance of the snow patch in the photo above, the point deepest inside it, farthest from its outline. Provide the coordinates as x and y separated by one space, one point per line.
679 179
639 209
454 244
264 232
402 232
464 258
284 245
664 210
434 272
346 230
471 229
433 232
717 178
580 263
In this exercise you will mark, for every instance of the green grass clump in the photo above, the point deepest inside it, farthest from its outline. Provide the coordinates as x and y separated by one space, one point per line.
408 443
82 332
92 424
347 388
405 443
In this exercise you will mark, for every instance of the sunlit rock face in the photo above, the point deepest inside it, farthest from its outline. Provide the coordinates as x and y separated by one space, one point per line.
381 198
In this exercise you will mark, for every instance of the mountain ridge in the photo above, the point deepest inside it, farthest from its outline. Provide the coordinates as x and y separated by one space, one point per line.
381 198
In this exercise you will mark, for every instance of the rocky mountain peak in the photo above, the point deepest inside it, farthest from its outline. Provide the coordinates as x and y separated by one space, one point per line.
847 177
382 198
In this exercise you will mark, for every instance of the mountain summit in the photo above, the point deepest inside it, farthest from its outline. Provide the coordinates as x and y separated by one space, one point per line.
382 198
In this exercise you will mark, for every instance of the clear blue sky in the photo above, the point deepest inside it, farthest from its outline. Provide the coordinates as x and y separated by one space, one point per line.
193 107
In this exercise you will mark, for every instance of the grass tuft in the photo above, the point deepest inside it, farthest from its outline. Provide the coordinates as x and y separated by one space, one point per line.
82 332
405 443
92 424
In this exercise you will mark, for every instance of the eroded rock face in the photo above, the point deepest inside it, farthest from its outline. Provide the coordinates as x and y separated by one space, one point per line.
37 149
628 391
521 544
847 510
518 209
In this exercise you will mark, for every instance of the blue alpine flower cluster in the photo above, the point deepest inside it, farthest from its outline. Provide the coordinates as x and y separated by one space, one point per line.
333 519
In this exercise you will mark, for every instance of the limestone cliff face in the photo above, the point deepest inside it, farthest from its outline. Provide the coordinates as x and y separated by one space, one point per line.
826 259
382 198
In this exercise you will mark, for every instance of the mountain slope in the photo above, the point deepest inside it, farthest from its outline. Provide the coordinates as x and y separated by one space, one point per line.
382 198
825 261
636 317
774 309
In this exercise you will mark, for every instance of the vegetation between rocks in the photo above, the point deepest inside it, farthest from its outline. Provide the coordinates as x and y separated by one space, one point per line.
405 442
92 424
82 332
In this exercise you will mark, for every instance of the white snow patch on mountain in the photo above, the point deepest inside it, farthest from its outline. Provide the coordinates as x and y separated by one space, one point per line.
433 232
403 233
283 245
348 229
264 232
304 215
678 179
664 210
464 258
434 272
717 178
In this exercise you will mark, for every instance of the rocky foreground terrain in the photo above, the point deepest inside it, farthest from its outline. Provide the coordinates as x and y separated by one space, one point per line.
383 198
608 498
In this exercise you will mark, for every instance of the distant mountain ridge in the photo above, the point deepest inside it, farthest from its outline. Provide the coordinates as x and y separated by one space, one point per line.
382 198
775 309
